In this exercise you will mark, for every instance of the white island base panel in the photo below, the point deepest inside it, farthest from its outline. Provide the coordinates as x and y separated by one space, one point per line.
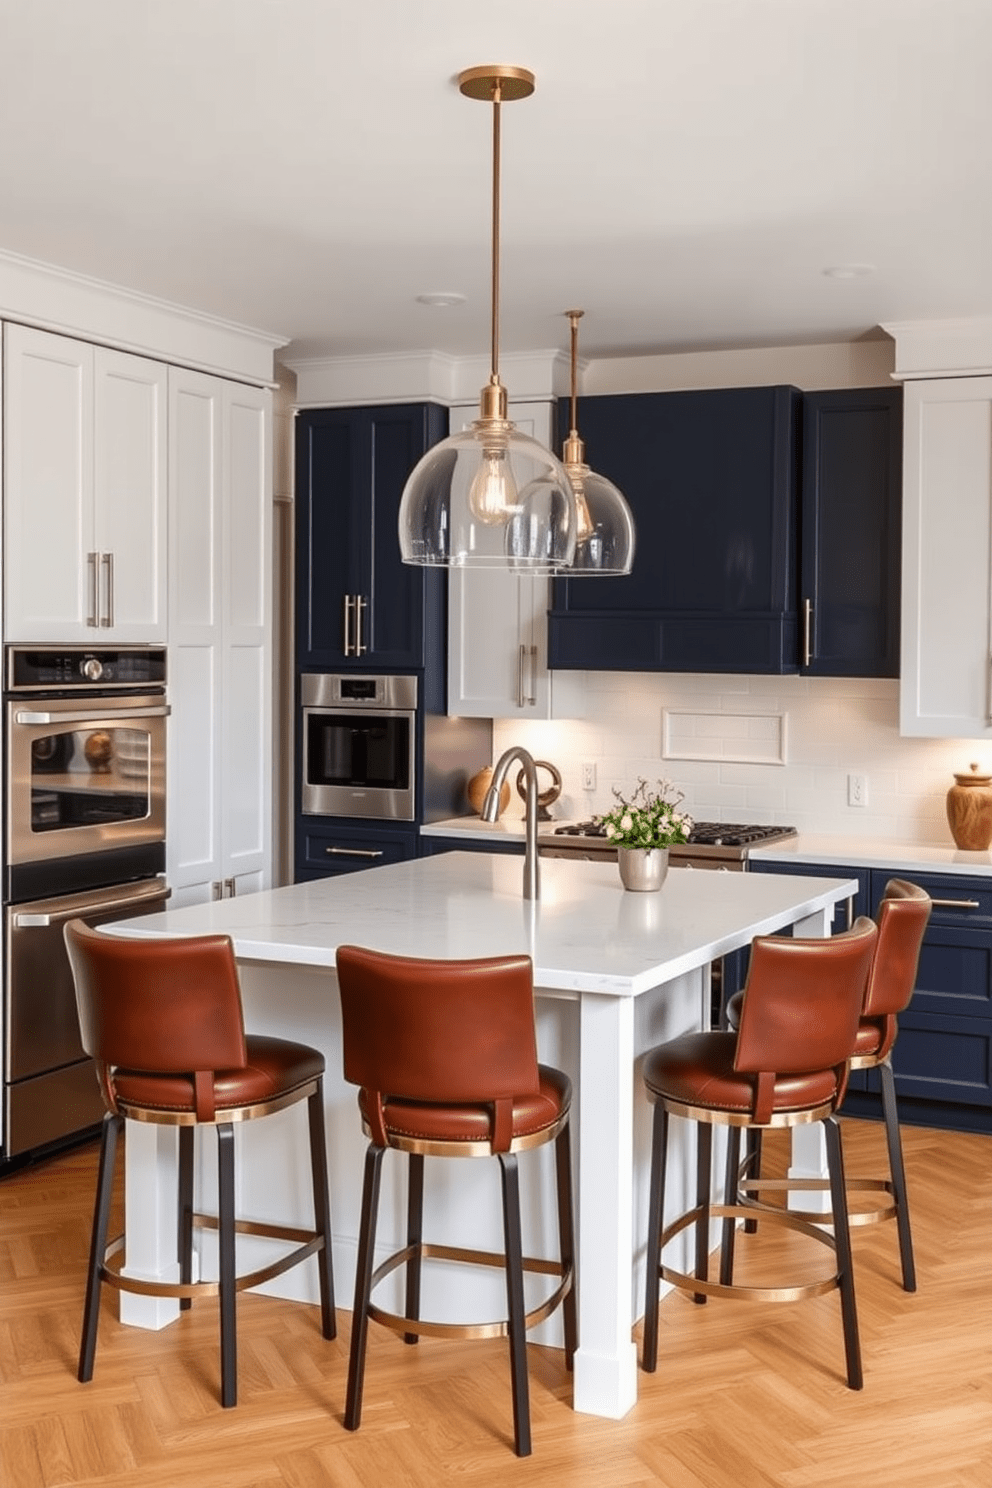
636 974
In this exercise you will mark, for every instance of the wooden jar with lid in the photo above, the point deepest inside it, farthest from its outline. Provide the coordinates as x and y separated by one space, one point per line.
969 811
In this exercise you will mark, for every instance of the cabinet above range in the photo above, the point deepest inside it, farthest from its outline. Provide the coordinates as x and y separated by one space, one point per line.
358 605
767 534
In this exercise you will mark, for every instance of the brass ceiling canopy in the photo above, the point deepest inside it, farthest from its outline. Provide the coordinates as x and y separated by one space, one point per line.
482 83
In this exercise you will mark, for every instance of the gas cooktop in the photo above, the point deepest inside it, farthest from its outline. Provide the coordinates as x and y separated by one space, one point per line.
726 839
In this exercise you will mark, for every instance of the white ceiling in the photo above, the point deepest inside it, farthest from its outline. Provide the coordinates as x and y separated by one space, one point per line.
685 171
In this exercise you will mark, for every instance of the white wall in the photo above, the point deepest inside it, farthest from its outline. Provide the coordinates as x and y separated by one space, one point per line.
834 727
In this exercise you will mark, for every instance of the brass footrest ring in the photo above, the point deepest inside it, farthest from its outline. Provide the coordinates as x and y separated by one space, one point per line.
708 1288
113 1259
876 1215
499 1328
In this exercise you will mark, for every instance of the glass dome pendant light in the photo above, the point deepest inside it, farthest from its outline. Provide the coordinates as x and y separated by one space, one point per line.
605 531
490 496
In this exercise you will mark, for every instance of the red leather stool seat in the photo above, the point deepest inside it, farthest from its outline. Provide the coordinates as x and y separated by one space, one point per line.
161 1018
273 1069
786 1065
445 1057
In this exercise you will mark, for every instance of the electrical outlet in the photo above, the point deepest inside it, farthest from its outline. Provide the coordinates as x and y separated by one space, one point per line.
588 774
857 790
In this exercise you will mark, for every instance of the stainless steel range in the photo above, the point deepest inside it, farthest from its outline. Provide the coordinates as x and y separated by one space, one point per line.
723 846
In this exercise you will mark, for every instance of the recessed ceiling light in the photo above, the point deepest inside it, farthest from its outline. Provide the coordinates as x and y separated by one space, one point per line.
441 298
849 271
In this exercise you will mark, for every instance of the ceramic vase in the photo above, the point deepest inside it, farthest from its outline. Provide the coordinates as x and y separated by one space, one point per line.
969 811
643 868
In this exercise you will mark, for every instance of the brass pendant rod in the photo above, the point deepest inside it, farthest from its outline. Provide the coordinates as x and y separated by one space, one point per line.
494 336
574 317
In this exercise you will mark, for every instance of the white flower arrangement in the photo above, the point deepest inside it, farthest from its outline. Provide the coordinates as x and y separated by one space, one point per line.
649 818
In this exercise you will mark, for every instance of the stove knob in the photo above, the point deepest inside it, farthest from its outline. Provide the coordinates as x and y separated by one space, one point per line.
91 668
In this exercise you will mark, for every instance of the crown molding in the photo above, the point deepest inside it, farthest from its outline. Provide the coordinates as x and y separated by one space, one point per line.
56 299
417 377
942 348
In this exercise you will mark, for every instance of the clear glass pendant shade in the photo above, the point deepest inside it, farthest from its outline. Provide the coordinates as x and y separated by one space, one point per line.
605 530
489 497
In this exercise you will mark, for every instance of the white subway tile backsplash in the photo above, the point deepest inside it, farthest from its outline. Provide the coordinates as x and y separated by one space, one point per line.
835 726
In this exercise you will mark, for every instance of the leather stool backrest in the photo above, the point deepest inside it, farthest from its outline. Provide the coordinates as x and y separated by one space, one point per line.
902 921
803 1001
160 1005
449 1032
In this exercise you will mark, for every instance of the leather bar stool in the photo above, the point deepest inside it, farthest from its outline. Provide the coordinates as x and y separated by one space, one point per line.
787 1065
445 1055
162 1019
902 918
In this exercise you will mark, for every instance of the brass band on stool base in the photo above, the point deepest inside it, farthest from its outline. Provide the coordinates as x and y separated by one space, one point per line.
464 1256
743 1293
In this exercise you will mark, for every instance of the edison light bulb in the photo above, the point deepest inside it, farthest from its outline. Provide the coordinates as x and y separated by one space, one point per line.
584 525
492 497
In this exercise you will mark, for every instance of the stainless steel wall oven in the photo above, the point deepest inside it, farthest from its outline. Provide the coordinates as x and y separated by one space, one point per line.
84 834
359 741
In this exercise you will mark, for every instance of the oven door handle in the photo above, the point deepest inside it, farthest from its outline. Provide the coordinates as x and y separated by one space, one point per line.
130 900
105 715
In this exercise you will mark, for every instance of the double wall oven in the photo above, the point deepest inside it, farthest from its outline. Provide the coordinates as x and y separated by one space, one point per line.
84 835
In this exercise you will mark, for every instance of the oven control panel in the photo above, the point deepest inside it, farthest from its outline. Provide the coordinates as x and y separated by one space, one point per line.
83 668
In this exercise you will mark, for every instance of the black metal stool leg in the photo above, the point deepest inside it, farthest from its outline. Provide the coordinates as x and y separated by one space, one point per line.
897 1169
704 1151
845 1265
112 1128
566 1238
322 1210
730 1197
186 1150
225 1220
515 1303
414 1237
363 1286
652 1259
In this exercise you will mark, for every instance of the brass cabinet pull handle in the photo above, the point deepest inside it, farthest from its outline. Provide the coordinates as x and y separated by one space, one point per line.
807 629
349 601
521 653
107 564
956 903
91 584
361 604
352 852
532 699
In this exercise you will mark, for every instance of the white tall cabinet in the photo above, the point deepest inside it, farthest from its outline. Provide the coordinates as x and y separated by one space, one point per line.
946 667
84 491
498 621
219 837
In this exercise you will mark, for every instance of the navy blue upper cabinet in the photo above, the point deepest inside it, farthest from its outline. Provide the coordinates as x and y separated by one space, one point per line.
712 481
357 604
851 532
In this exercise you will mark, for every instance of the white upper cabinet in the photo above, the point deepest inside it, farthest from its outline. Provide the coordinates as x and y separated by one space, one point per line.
220 627
946 669
497 620
84 491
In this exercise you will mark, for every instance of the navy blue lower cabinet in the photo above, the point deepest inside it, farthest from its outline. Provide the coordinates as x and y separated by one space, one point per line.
325 850
431 846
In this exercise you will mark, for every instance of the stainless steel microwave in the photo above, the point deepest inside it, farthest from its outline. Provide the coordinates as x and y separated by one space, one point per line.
359 736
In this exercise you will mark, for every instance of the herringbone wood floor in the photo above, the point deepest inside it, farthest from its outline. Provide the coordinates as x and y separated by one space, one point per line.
745 1396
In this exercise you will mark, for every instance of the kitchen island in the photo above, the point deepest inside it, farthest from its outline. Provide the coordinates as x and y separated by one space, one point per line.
614 972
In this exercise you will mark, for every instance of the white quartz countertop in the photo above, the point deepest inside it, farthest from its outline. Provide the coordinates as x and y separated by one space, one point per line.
585 933
508 828
861 852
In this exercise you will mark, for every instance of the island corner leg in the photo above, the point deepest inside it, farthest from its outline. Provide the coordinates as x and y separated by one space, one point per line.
809 1151
605 1378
